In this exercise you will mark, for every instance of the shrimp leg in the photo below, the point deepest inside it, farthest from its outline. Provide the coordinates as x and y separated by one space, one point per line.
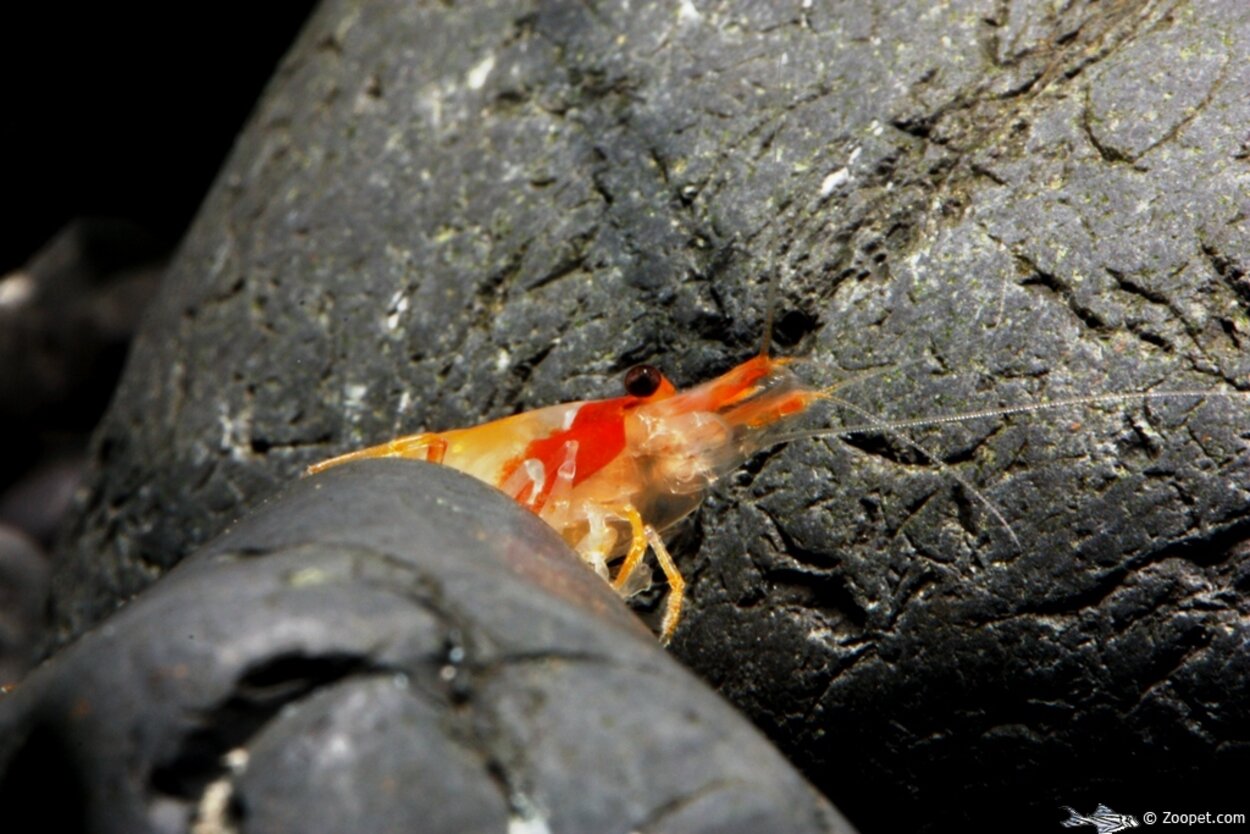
676 585
426 446
597 543
637 548
642 535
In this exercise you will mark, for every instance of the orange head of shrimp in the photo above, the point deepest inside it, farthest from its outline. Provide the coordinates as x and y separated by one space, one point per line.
683 441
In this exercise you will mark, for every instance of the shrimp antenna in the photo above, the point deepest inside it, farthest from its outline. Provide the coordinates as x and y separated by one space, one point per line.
894 428
770 306
877 424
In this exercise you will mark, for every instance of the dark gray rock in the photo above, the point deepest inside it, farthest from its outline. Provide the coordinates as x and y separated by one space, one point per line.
24 573
66 318
439 216
389 646
38 502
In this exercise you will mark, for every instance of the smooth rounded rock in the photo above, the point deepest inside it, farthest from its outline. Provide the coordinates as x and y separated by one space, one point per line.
386 646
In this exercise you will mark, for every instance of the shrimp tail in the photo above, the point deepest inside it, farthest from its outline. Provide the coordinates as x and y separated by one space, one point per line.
426 446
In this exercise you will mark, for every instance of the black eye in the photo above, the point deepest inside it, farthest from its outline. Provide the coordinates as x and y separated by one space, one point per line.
642 380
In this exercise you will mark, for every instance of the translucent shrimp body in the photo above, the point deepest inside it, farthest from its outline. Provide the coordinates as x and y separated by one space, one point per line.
680 445
610 476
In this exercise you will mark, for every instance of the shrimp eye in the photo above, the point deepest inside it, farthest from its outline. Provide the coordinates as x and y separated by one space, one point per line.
642 380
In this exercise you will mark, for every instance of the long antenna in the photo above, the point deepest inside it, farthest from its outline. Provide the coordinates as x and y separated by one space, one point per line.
877 425
769 309
884 427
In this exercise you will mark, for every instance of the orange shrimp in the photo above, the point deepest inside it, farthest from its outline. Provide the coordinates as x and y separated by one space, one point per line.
637 464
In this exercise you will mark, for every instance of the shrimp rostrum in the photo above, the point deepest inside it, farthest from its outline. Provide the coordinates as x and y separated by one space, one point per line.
612 476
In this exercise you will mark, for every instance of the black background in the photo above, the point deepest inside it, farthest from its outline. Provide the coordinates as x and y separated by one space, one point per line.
127 109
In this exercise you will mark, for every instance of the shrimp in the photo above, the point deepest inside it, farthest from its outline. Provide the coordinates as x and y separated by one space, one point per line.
613 476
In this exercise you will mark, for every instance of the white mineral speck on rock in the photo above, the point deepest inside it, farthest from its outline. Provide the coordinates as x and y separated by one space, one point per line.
477 76
354 395
832 181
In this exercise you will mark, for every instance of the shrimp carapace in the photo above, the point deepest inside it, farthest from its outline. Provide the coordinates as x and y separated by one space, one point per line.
612 475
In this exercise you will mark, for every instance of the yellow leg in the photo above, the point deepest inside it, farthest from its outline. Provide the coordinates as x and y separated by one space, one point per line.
642 536
637 548
676 586
427 446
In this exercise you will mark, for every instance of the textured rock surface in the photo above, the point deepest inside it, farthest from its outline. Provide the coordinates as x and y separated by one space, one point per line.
439 216
389 646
